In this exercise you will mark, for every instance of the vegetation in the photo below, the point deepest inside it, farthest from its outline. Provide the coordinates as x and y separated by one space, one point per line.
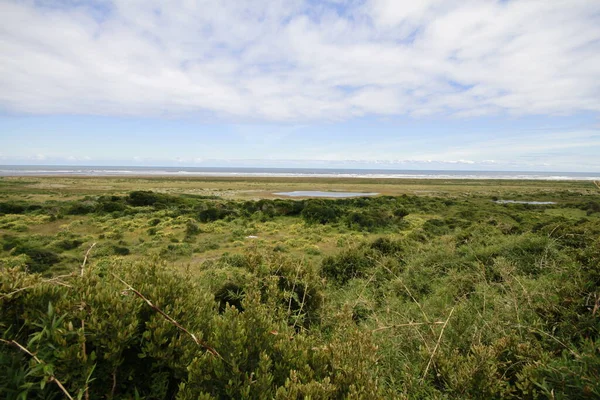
183 295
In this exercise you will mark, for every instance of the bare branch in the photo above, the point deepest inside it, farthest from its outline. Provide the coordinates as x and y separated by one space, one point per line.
405 325
83 347
52 377
171 320
87 253
56 280
437 345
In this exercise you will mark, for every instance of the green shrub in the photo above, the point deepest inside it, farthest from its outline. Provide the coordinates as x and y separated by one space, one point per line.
12 208
349 264
39 257
121 250
387 246
319 212
68 244
142 198
191 229
81 208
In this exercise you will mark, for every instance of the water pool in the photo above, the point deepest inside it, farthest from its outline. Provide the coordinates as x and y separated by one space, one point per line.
318 193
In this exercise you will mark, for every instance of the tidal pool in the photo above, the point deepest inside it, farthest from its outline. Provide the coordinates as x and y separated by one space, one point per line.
318 193
523 202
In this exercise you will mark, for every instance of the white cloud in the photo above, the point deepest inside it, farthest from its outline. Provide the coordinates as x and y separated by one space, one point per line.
291 61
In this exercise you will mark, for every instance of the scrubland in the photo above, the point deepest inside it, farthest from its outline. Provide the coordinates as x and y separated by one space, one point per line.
214 288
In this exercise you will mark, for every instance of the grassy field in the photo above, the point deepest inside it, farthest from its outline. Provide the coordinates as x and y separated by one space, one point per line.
429 290
258 188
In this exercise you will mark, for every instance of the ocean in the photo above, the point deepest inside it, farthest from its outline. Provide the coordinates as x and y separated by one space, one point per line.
31 170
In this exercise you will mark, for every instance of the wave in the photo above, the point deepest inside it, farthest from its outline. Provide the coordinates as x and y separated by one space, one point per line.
292 173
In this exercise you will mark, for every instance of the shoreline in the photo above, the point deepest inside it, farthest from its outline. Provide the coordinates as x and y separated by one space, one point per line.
64 171
275 176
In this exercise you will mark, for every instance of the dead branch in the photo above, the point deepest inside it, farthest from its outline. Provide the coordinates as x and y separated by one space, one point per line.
437 345
87 253
56 280
407 291
83 347
171 320
52 377
405 325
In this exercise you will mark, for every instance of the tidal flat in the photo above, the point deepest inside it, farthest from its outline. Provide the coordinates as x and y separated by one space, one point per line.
429 289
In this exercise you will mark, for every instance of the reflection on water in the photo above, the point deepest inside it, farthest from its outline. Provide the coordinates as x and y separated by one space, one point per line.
317 193
523 202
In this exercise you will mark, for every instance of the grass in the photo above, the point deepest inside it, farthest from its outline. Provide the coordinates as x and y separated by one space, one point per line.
433 292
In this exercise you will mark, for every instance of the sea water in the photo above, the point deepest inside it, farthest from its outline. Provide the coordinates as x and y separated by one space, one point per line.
36 170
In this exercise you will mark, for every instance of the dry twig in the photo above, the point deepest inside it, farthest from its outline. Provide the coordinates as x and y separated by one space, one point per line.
52 377
56 280
86 258
407 291
405 325
83 348
171 320
437 345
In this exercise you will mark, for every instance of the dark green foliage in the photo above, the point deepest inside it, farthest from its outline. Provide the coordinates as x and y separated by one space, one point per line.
230 294
191 228
370 219
439 227
349 264
39 256
387 246
68 244
40 259
131 348
144 198
400 212
82 208
12 208
154 221
120 250
214 214
592 206
464 299
110 204
319 212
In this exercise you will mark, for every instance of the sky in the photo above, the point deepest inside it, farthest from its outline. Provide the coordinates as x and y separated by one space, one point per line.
430 84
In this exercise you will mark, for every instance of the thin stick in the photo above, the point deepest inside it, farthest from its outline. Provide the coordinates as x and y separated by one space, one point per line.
52 377
405 325
364 288
301 305
171 320
437 345
55 280
407 290
551 337
114 383
84 356
83 348
415 300
87 253
289 310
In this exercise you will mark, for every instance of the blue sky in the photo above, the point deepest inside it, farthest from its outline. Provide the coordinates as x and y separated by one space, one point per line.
478 85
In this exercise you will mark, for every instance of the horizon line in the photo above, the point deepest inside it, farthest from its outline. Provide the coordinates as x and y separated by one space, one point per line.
172 167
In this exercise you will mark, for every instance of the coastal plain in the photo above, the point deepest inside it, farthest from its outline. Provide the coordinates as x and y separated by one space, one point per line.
442 292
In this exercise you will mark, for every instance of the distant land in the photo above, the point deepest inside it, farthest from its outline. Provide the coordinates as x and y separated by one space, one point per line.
57 170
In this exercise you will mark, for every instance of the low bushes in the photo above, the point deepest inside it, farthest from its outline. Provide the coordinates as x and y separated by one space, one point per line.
130 349
464 299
